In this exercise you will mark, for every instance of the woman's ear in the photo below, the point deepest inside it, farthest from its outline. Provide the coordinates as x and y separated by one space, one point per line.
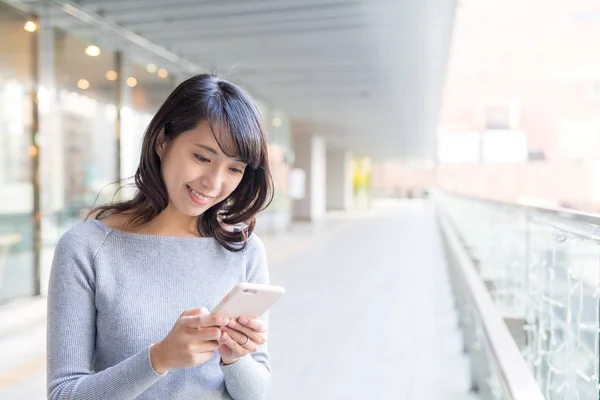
161 144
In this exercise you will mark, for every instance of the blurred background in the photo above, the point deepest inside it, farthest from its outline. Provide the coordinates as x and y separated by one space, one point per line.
436 168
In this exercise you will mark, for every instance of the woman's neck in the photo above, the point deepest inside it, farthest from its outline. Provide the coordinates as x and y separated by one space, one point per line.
169 222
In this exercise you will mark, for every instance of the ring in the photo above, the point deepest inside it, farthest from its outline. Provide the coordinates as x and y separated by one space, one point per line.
246 342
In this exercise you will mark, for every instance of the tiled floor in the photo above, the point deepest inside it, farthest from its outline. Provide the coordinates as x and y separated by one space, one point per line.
367 315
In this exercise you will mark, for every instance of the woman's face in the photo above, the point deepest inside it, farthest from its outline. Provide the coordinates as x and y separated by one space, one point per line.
196 172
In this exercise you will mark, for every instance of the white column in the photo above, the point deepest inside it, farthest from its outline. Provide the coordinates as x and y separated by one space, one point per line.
50 140
310 157
128 139
52 163
339 179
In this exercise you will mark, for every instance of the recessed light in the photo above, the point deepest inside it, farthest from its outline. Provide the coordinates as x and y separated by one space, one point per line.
131 81
151 68
83 84
163 73
111 75
30 26
92 50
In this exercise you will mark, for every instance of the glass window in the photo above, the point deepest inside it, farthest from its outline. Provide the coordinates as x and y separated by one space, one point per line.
82 158
150 87
16 188
278 215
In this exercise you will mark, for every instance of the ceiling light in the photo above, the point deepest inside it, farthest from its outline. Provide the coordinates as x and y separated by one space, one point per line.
131 81
163 73
111 75
30 26
92 50
83 84
276 121
151 68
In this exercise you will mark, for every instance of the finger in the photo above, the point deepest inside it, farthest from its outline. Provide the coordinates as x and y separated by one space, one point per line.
194 312
206 320
234 346
254 323
250 344
206 334
258 337
214 320
205 346
239 337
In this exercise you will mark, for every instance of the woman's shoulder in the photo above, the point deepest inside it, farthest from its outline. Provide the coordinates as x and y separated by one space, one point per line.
255 242
256 260
255 248
88 235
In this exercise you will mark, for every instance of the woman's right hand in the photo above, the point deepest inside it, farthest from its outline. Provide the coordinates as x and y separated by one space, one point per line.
192 341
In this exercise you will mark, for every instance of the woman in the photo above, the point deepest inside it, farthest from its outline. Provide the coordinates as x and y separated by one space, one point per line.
130 289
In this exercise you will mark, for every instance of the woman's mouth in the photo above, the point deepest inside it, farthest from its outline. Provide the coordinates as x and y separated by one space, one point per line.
198 197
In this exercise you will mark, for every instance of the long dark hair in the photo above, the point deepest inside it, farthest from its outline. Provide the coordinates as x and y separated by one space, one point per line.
230 111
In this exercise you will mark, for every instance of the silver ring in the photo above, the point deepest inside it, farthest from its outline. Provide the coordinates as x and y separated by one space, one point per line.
246 342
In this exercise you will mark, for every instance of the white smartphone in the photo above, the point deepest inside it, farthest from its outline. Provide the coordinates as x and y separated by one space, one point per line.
249 300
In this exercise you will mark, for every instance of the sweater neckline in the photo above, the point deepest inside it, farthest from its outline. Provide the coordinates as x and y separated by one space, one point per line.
151 237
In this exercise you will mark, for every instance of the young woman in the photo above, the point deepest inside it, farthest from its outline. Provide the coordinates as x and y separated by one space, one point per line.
131 288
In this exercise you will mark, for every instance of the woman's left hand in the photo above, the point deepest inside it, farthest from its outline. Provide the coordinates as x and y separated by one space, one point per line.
241 337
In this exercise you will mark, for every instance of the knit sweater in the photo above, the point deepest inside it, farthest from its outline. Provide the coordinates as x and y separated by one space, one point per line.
113 294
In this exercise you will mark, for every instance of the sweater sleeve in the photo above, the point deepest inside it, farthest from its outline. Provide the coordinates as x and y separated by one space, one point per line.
248 378
72 327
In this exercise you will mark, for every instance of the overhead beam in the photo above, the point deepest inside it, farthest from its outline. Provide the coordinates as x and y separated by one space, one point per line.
224 11
178 28
354 72
137 4
295 53
273 33
174 31
120 5
241 62
311 79
290 65
274 41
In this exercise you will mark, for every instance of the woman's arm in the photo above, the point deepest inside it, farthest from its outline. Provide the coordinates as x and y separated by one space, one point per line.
248 378
71 332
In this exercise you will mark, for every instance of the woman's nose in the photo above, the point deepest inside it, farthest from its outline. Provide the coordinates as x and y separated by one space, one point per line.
212 181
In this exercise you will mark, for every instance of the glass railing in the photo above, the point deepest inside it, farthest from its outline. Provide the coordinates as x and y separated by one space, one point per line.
541 270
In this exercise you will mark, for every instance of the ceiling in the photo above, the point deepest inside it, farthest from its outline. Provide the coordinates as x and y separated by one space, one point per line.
365 74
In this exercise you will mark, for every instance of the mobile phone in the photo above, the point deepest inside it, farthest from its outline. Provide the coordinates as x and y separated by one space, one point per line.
249 300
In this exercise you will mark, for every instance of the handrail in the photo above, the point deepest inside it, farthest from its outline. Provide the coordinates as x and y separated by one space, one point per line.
579 223
562 212
516 378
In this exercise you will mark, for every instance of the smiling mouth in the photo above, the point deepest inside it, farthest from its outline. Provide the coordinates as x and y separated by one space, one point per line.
198 195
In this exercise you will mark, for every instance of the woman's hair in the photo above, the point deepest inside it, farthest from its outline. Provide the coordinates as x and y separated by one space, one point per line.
231 113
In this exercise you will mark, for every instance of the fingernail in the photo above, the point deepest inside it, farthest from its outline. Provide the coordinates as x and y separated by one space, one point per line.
243 320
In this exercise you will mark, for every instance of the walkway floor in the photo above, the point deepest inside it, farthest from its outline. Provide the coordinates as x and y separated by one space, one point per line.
368 314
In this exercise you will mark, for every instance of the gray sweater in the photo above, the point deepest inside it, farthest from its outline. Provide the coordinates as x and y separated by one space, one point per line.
113 294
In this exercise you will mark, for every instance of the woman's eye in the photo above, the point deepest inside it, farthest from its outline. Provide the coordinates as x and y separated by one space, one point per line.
237 170
200 158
